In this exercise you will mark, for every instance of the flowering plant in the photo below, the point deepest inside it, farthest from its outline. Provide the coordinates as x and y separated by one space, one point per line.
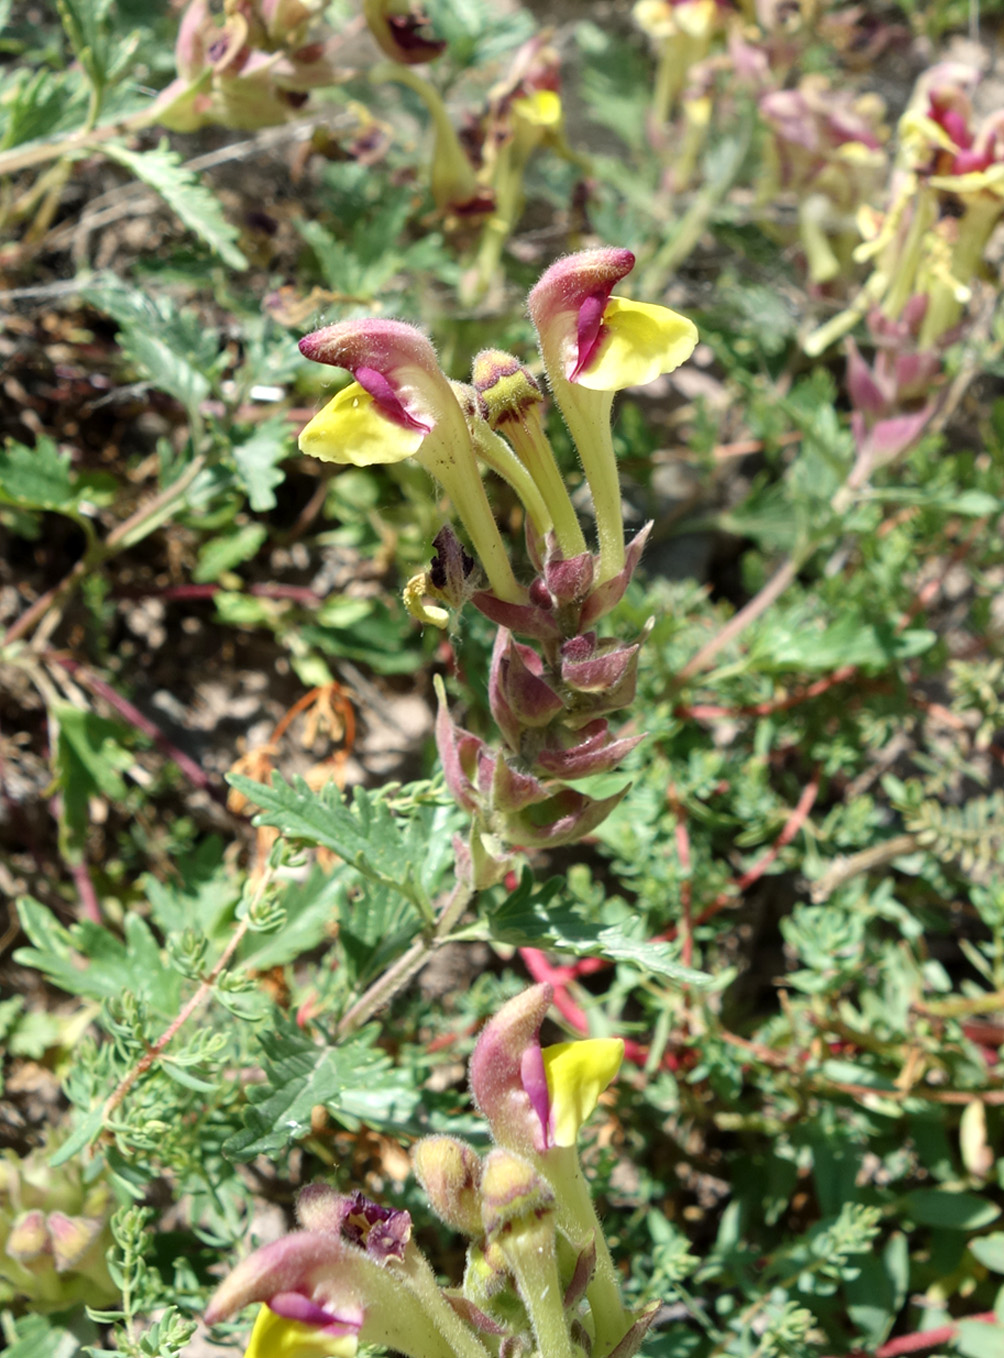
538 1279
551 702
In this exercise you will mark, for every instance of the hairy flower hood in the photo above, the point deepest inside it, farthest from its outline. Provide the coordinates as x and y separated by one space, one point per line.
398 397
602 342
537 1098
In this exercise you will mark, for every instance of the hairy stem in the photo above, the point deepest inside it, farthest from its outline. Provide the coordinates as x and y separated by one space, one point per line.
408 965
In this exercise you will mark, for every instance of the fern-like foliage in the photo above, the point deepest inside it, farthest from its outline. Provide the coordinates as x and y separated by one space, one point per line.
972 834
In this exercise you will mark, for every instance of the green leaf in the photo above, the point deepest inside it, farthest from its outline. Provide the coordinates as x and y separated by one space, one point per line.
876 1295
377 923
54 1336
531 917
615 82
364 832
310 907
785 644
174 349
35 1034
367 630
950 1211
223 553
351 1080
989 1250
184 193
256 460
980 1339
89 960
86 1131
972 503
200 894
86 25
90 760
37 478
38 104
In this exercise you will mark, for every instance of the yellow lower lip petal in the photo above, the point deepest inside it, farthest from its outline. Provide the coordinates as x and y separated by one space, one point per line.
351 430
639 343
577 1074
542 108
275 1337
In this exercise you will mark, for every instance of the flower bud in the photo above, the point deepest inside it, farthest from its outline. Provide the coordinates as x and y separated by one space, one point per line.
569 581
517 690
29 1237
513 1194
506 387
518 1210
450 1172
72 1239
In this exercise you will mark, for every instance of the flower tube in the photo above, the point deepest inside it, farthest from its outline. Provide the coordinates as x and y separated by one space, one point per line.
510 401
401 405
593 345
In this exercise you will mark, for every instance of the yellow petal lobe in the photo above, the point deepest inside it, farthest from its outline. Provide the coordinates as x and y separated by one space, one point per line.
415 592
990 180
577 1074
351 430
541 109
276 1337
639 342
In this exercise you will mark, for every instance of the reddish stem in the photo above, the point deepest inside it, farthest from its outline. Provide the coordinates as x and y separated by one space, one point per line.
923 1339
541 969
682 837
90 906
561 975
792 825
181 593
137 719
708 711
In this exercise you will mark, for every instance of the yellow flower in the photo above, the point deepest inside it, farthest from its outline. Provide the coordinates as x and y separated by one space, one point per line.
402 405
577 1074
351 429
594 344
638 343
276 1337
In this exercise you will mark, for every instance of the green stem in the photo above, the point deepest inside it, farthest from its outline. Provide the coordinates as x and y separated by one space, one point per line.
577 1218
83 140
422 1282
453 179
408 965
903 282
530 1252
462 483
531 443
496 453
587 414
944 307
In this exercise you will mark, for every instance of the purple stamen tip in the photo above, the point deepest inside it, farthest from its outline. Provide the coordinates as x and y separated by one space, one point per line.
387 399
295 1306
589 328
534 1079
